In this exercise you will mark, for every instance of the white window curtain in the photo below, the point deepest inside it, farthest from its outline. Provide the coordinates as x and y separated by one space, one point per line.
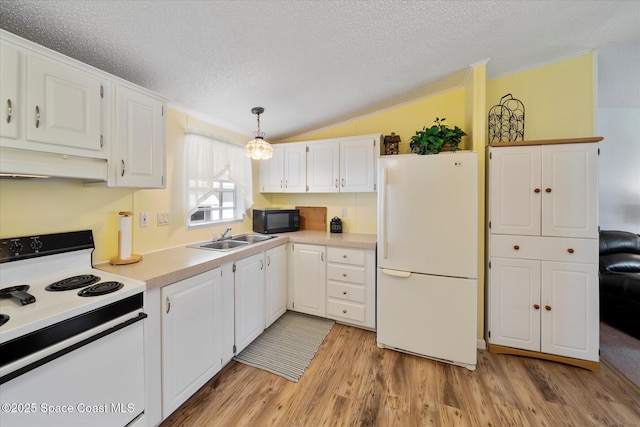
207 160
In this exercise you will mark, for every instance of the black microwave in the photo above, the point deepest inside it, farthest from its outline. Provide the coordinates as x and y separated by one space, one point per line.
276 220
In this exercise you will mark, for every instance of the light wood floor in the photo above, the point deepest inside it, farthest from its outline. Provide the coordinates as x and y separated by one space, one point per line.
351 382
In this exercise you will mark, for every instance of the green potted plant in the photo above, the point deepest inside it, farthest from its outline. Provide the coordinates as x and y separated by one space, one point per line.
432 140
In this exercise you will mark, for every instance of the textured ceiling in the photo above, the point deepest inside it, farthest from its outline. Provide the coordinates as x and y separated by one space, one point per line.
315 63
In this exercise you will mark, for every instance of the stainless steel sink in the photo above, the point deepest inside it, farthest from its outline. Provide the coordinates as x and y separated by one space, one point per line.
251 238
222 245
235 242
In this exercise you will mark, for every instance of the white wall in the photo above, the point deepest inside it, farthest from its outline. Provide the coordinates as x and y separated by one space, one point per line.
619 168
618 121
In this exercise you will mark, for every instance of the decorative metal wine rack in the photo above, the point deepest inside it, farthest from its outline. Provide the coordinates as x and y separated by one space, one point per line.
506 120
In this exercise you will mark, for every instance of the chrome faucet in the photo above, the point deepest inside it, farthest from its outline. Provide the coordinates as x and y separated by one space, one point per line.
224 235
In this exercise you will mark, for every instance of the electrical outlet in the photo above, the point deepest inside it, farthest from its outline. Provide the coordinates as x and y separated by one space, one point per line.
144 219
163 218
344 212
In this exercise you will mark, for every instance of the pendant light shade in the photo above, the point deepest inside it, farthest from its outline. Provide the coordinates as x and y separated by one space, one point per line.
258 148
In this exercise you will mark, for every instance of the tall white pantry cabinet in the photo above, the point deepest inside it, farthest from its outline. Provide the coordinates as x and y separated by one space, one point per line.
543 250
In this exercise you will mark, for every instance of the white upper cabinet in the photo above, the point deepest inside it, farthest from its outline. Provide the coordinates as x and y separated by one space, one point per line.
323 167
139 144
295 169
358 157
63 118
272 171
63 107
286 171
9 84
548 190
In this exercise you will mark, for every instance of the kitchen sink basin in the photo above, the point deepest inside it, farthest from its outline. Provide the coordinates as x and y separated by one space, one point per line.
251 238
234 242
222 245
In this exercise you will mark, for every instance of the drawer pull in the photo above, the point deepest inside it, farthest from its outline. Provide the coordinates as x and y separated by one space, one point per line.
344 256
536 306
547 307
9 110
516 247
344 292
548 190
537 190
344 311
37 116
570 250
344 274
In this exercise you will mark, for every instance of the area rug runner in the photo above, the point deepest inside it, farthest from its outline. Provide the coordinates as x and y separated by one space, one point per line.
622 351
287 347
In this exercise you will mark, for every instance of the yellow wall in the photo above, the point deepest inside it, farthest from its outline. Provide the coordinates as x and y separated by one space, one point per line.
558 98
39 206
404 120
559 102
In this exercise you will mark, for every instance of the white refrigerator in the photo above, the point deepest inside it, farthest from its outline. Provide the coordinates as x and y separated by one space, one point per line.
428 255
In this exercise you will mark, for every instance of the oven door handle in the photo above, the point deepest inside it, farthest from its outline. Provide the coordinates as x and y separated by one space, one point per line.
60 353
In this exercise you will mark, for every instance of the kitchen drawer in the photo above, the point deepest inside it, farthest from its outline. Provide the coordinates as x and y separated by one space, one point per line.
345 255
544 248
345 292
345 310
345 273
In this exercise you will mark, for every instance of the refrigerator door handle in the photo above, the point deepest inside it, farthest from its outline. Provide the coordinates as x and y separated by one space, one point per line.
396 273
383 213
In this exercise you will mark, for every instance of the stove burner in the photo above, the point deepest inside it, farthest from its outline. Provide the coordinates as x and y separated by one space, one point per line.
3 319
74 282
18 292
100 289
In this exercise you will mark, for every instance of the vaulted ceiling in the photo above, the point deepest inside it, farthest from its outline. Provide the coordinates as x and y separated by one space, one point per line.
315 63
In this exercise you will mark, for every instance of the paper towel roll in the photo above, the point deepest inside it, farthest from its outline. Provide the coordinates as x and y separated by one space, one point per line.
124 236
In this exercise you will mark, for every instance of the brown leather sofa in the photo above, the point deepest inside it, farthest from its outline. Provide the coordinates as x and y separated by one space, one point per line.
620 280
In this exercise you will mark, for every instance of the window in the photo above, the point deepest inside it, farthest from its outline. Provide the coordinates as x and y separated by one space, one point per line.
218 181
220 206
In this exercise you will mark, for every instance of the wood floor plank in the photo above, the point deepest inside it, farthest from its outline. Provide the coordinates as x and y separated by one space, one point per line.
352 382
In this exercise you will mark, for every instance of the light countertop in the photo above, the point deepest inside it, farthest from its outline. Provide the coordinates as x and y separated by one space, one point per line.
171 265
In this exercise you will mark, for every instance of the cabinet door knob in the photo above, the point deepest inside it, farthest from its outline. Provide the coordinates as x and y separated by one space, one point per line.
547 307
344 311
570 250
344 274
516 247
344 256
548 190
37 117
536 306
537 190
344 292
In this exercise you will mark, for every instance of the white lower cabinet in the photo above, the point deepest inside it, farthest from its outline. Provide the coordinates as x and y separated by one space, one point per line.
275 284
191 332
228 313
249 300
309 279
545 306
351 286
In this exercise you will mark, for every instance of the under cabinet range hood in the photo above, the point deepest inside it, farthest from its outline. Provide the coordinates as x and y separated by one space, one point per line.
17 163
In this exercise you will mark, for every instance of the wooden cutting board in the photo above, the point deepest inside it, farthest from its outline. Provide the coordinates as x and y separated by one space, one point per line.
313 218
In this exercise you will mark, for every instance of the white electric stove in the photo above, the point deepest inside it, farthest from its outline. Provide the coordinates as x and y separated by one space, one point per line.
71 336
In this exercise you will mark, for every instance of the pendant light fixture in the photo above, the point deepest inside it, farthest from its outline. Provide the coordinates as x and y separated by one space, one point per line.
258 148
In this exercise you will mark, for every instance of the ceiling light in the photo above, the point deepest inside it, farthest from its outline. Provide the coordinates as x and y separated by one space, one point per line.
258 148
